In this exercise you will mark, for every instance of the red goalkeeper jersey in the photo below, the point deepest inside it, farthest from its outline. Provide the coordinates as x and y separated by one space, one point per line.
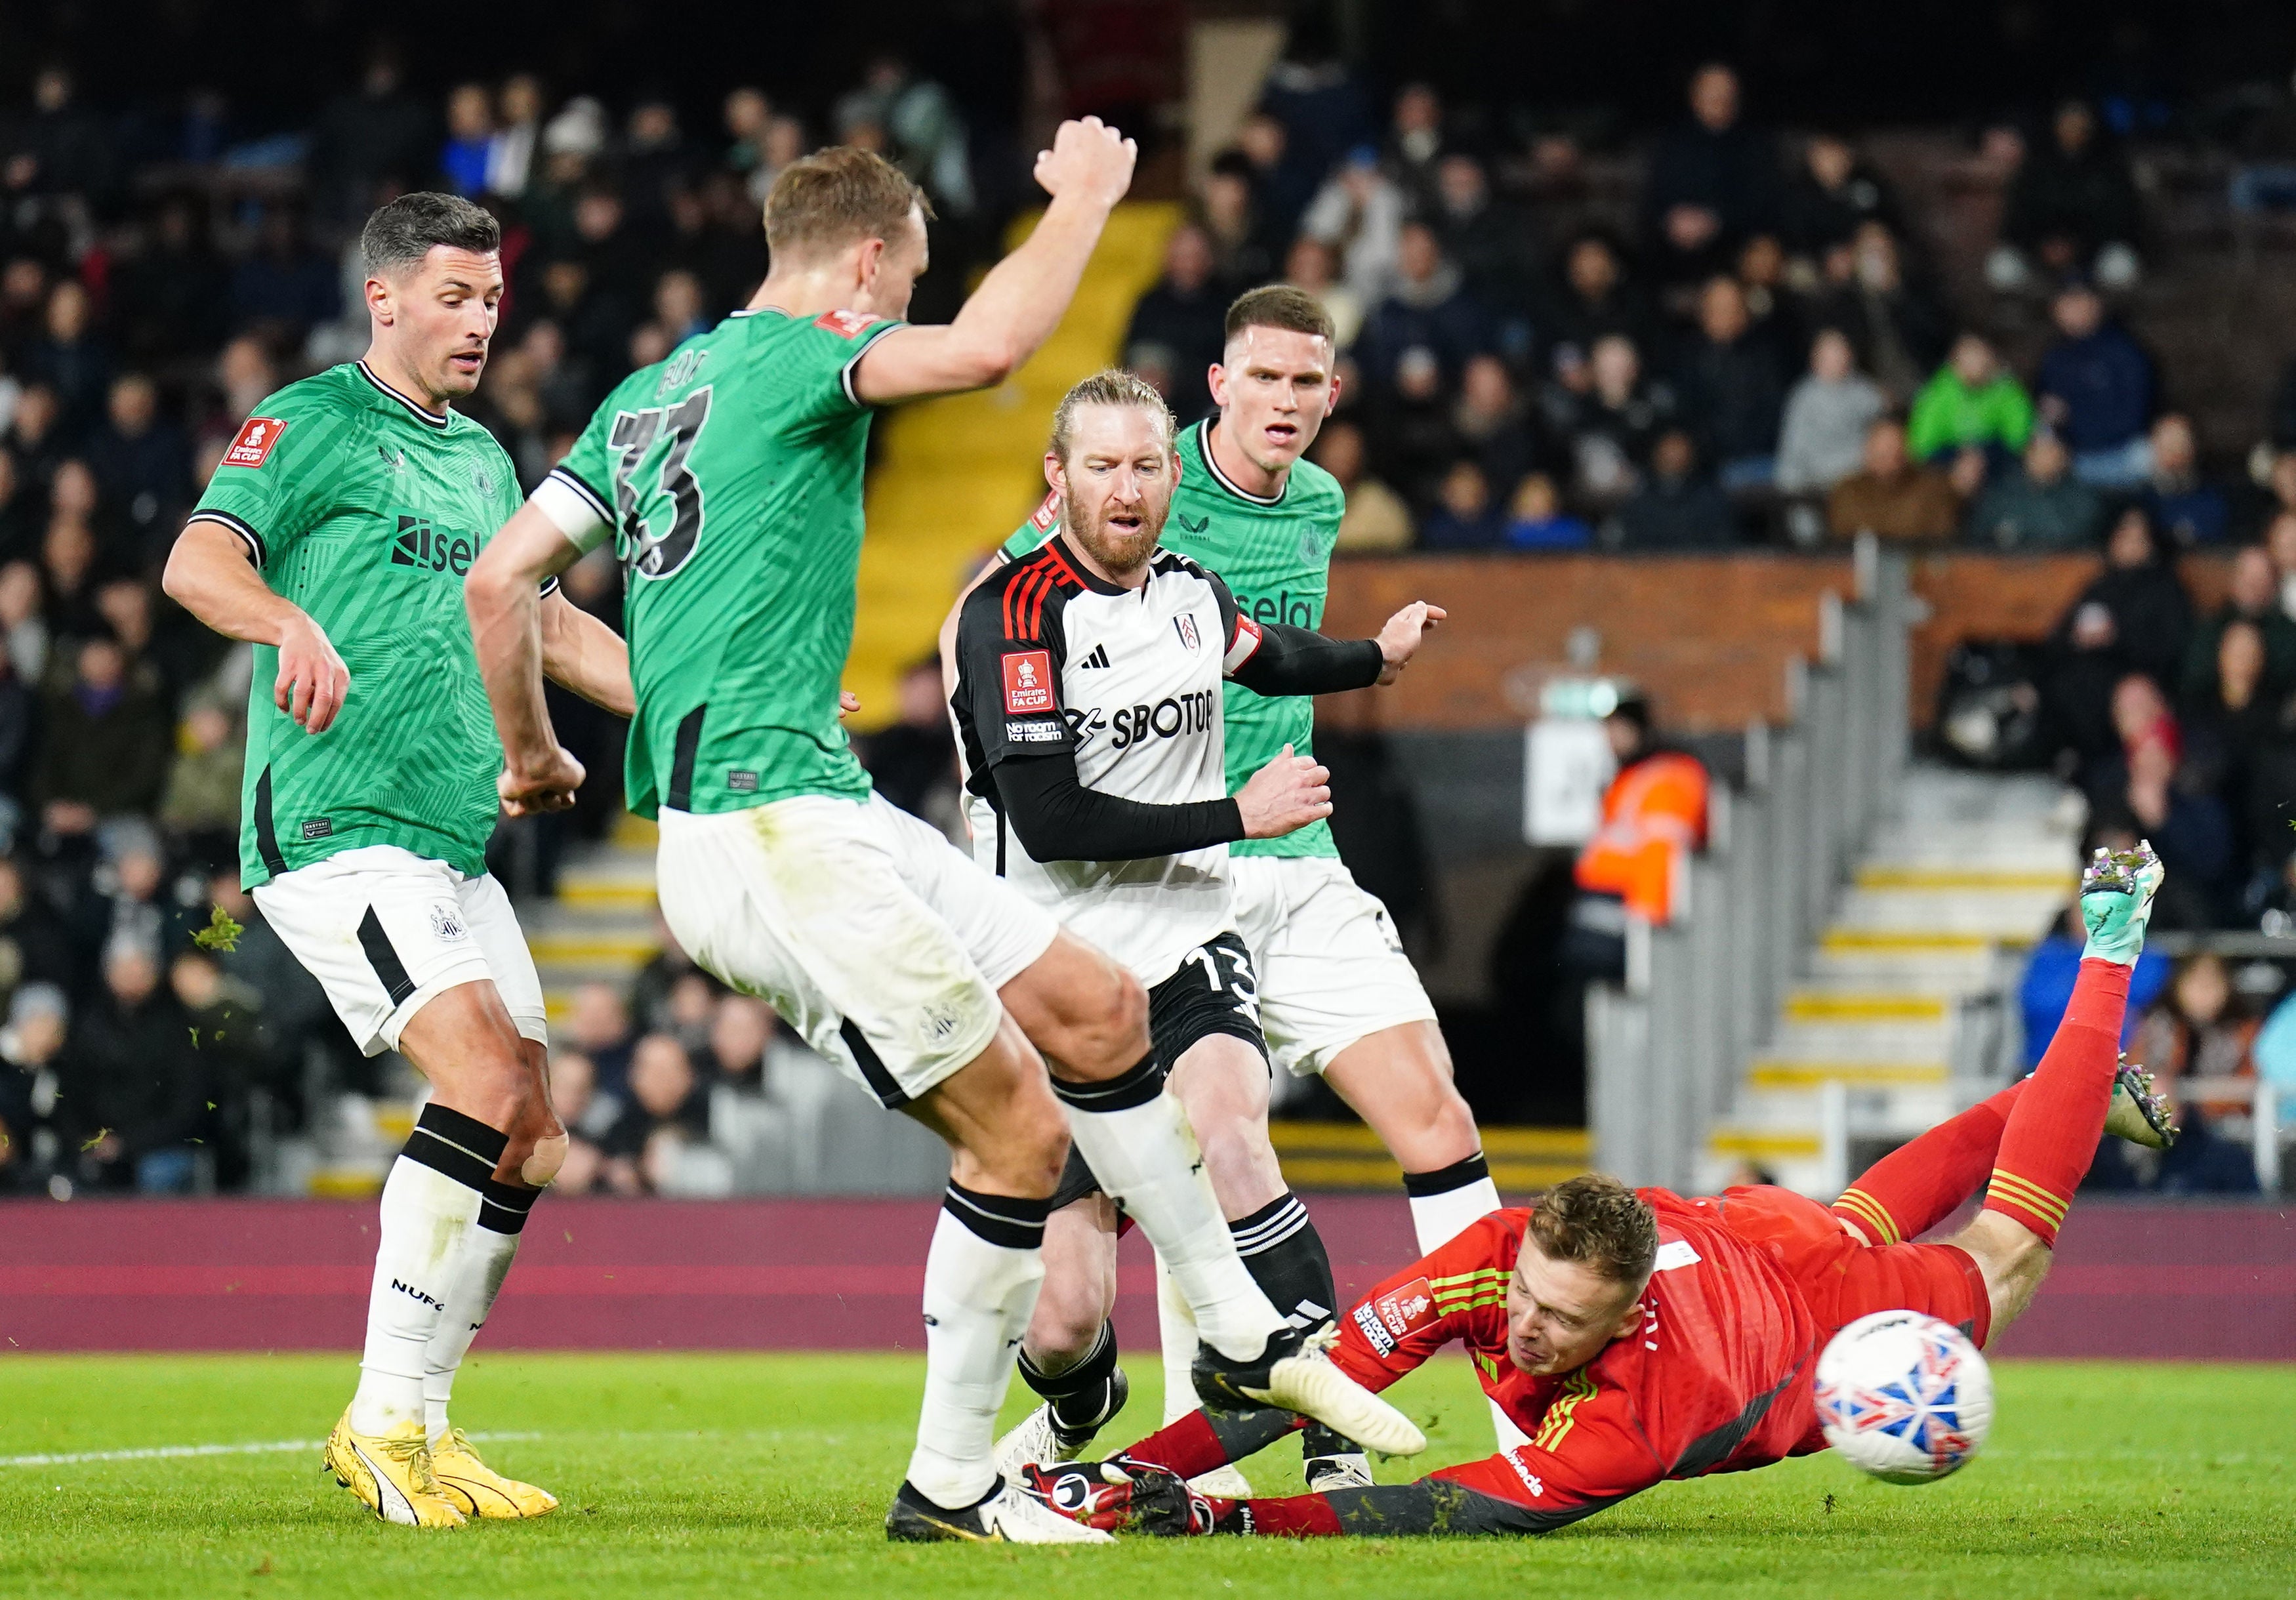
1718 1378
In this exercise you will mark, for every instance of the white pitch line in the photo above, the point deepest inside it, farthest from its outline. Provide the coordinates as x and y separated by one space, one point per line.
176 1452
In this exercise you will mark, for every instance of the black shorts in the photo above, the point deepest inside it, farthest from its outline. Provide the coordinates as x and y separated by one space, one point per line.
1213 991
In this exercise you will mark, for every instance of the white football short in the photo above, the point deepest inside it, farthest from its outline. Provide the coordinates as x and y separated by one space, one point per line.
873 936
1331 970
384 930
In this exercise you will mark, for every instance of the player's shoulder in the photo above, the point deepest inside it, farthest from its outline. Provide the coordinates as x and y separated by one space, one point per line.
291 419
1317 491
1016 600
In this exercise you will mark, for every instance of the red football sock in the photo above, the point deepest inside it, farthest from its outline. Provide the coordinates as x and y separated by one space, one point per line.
2052 1134
1187 1447
1297 1516
1922 1183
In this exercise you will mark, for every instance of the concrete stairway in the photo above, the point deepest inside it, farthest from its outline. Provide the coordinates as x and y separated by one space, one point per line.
1963 867
602 925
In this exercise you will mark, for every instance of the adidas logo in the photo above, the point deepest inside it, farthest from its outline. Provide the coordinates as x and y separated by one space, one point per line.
1098 657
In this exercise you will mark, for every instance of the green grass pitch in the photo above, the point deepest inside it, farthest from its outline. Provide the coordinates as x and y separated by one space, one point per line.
767 1475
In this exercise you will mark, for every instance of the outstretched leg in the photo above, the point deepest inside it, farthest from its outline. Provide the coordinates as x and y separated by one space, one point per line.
2053 1127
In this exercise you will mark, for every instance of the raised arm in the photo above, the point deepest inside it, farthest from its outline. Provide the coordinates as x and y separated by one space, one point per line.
503 593
1023 297
211 574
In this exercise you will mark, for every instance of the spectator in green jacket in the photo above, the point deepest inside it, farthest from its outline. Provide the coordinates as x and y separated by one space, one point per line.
1973 403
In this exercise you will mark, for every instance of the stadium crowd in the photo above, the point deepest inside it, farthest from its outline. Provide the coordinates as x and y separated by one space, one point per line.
1765 357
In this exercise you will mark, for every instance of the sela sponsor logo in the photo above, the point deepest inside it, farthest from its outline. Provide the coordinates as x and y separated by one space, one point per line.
446 921
1028 682
1408 1308
1374 1331
441 549
1035 730
846 324
1293 610
1530 1478
417 1293
1047 514
319 827
1174 716
251 446
1185 625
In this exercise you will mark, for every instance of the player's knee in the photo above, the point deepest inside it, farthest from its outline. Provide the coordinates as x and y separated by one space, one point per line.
1106 1032
541 1164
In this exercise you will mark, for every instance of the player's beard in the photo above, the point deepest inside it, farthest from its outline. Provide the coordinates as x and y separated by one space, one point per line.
1114 548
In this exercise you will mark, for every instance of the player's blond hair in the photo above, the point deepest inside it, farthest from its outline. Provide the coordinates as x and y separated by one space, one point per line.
1597 1222
836 198
1113 387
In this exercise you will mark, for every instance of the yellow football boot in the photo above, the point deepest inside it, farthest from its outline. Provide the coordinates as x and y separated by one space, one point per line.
478 1490
391 1473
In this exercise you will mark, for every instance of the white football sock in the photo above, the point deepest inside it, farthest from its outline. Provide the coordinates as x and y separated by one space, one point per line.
1442 1205
478 1273
1440 1218
1178 1325
425 1216
1136 1139
981 1277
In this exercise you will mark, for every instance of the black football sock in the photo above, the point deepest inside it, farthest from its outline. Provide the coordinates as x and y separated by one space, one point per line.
1085 1396
1285 1256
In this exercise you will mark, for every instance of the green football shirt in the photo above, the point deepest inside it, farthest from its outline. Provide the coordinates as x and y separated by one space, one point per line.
1276 557
366 511
730 477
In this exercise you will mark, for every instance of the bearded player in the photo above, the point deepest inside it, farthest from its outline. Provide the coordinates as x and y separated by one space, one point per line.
335 536
729 477
1638 1336
1337 994
1086 698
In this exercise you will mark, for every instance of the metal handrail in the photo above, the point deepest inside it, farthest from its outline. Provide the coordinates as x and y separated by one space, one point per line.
1667 1050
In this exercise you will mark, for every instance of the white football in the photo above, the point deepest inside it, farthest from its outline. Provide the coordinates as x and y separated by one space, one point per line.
1904 1395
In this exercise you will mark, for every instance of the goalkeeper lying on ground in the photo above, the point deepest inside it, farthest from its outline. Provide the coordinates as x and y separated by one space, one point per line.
1637 1336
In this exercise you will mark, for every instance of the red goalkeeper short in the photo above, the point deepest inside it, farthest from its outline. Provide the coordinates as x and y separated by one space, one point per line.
1842 1278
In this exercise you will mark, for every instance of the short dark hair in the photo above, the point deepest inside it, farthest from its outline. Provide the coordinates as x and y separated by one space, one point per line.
1597 1222
1278 305
837 197
411 226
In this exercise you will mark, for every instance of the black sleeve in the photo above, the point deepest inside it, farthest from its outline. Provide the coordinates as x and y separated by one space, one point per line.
1059 820
1008 682
1293 660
